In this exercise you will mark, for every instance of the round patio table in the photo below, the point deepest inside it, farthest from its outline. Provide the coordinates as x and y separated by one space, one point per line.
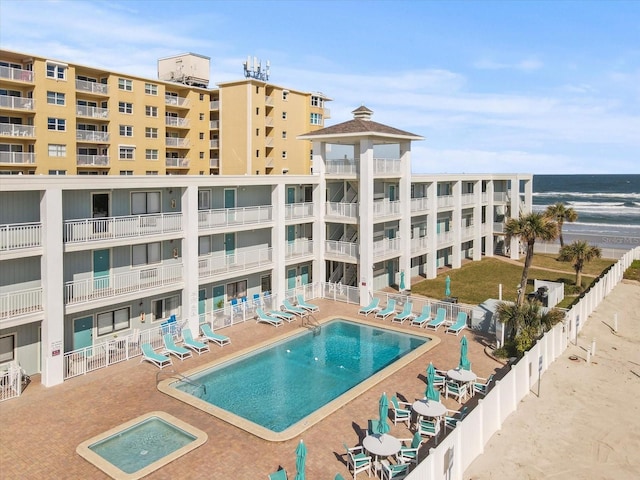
460 375
381 445
429 408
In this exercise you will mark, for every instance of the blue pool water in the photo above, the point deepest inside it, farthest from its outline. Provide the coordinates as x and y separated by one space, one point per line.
277 386
142 444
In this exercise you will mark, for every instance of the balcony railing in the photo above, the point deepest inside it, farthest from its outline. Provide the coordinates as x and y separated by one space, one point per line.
298 248
175 101
19 303
342 209
468 199
298 210
176 162
214 105
382 166
268 121
346 250
268 100
16 103
134 226
214 163
214 143
214 124
500 196
12 130
92 136
485 197
343 167
419 204
498 227
385 247
176 121
92 87
176 142
109 286
268 142
384 208
92 112
17 74
419 244
92 161
221 263
226 217
445 201
327 113
18 158
468 232
445 237
16 236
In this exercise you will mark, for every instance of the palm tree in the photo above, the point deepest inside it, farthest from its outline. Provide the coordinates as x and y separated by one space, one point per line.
530 228
561 214
579 253
526 323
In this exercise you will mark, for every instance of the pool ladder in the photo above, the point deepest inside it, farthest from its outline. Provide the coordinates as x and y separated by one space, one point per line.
183 378
310 321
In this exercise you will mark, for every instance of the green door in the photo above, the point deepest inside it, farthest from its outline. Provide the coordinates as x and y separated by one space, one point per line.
101 267
82 332
291 278
291 195
218 297
304 274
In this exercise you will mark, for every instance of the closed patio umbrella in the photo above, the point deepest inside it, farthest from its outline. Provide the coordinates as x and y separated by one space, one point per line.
447 287
464 361
383 426
431 393
301 456
402 280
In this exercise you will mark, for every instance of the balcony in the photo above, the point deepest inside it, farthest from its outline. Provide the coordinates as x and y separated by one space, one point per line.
92 160
468 199
386 166
345 251
268 101
445 201
176 122
298 248
419 244
175 101
214 105
326 113
13 130
500 196
386 247
268 142
17 236
92 112
134 226
20 303
115 285
498 227
342 209
221 263
468 232
295 211
343 167
445 237
269 162
419 204
176 142
16 74
222 218
92 136
268 121
181 162
92 87
18 158
385 208
214 143
214 163
214 124
16 103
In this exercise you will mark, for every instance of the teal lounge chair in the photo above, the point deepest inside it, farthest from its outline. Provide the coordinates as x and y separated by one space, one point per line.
307 306
192 343
441 317
289 307
174 349
405 314
461 324
289 317
212 336
278 475
157 359
264 318
424 316
388 310
371 308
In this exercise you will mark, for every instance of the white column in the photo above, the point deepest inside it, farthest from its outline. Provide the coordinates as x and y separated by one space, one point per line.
319 266
278 242
365 212
53 282
405 209
490 242
514 200
432 229
477 220
456 220
189 257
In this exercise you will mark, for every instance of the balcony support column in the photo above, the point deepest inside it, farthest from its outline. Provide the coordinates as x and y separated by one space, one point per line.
405 210
279 243
365 211
456 225
189 255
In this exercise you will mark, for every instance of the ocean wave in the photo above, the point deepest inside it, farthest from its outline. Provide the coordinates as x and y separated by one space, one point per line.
632 196
604 209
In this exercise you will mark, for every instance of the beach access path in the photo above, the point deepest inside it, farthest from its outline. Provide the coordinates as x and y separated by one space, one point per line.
586 422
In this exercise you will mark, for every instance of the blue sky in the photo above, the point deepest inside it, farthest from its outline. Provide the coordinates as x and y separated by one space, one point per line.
508 86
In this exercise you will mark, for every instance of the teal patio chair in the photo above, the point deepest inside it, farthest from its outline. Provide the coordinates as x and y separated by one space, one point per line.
405 314
388 310
302 303
400 411
212 336
394 471
173 349
192 343
289 307
461 324
262 317
482 385
157 359
357 460
459 391
440 318
409 453
424 316
278 475
371 308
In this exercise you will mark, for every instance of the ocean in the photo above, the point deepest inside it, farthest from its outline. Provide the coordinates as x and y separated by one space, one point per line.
608 206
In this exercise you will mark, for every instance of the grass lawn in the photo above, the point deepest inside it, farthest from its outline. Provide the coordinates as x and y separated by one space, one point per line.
633 272
546 260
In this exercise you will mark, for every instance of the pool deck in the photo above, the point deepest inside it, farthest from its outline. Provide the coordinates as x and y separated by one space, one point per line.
42 428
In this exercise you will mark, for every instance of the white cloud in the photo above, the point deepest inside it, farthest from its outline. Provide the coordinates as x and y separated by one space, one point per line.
525 65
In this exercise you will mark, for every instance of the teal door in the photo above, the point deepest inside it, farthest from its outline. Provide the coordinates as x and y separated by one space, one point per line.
291 195
230 202
391 233
291 233
291 278
101 267
392 193
218 297
82 332
202 302
229 243
304 274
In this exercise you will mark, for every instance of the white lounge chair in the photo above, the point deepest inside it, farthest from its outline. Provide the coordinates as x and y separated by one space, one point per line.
371 308
307 306
405 314
424 316
461 324
192 343
286 316
289 307
388 310
212 336
440 318
157 359
173 349
262 317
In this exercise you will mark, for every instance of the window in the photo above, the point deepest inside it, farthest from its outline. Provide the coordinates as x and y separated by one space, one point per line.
285 95
56 71
8 348
201 154
151 172
204 245
201 96
56 150
203 199
114 321
284 134
57 172
201 116
55 98
257 132
150 89
145 202
59 124
150 111
257 153
151 154
201 136
126 153
316 119
165 307
124 84
317 102
126 172
126 130
237 289
151 132
284 115
284 154
125 107
257 90
145 254
257 110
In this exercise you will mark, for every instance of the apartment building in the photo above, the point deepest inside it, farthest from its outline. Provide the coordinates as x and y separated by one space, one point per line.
58 118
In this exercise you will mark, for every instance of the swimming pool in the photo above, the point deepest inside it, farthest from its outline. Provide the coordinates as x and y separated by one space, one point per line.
276 390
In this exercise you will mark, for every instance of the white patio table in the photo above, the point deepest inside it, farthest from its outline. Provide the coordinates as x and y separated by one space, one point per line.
463 376
383 445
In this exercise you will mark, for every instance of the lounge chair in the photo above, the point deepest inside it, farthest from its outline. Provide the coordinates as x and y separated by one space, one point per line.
400 411
278 475
192 343
405 314
157 359
409 453
424 316
394 471
174 349
481 385
287 316
264 318
371 308
461 324
357 460
455 390
307 306
289 307
440 318
388 310
212 336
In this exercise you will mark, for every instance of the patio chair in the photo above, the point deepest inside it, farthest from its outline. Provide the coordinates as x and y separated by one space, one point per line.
235 306
409 453
212 336
264 318
429 428
405 314
424 316
388 310
371 308
289 317
461 324
289 307
394 471
400 411
455 390
173 349
357 460
440 318
482 385
278 475
452 417
192 343
302 303
439 378
157 359
256 300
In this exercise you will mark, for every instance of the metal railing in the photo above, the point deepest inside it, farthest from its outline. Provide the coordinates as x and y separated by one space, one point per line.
419 244
92 87
468 199
214 143
347 250
92 160
15 236
220 263
174 162
342 209
385 247
383 208
176 121
348 166
11 382
173 100
92 136
176 142
16 103
298 248
221 218
445 237
298 210
446 201
92 229
18 158
383 166
419 204
214 105
214 124
13 130
23 302
18 74
93 112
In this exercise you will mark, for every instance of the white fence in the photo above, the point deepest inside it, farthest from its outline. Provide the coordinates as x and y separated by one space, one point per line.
456 451
11 381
